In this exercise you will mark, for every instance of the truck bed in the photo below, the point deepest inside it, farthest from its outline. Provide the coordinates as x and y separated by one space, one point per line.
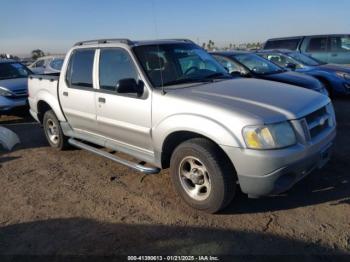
43 88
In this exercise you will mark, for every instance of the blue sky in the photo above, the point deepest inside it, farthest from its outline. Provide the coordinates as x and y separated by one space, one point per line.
54 25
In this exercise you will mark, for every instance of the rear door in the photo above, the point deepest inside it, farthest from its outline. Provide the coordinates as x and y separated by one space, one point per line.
122 117
318 47
76 91
339 49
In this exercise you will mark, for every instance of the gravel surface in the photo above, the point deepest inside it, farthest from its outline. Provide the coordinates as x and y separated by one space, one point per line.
74 202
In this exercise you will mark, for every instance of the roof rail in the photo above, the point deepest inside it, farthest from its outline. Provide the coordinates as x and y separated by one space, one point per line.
105 41
182 39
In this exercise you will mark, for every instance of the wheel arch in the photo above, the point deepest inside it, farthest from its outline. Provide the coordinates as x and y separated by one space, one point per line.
47 101
173 140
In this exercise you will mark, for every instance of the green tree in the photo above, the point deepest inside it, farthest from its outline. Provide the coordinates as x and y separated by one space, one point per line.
37 53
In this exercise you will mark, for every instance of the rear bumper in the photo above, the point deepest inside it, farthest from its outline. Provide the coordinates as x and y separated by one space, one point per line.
269 172
8 104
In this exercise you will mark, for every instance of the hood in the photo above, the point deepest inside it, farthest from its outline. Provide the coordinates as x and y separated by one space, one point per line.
294 78
335 68
267 101
15 84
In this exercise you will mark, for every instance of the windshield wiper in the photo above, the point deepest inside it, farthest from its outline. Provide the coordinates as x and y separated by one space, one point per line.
217 75
184 81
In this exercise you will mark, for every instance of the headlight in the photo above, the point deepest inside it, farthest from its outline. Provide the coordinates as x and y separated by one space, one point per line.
346 76
5 92
269 136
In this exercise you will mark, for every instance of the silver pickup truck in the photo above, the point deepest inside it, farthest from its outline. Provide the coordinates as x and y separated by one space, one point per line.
168 103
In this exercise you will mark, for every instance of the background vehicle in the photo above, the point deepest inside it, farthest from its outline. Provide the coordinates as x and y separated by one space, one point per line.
13 85
249 64
8 139
27 61
47 65
335 78
326 48
171 104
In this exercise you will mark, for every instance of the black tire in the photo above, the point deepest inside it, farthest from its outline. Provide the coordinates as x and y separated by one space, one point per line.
221 173
61 142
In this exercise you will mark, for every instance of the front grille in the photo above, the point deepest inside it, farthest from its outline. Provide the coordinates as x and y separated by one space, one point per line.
20 92
318 122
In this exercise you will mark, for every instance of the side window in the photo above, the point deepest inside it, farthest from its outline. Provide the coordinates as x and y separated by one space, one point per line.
115 64
39 63
79 73
340 44
231 66
291 44
318 44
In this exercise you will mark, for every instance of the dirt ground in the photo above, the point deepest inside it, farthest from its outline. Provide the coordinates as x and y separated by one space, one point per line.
74 202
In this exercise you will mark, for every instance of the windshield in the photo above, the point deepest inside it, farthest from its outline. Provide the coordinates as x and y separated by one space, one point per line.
171 64
257 64
13 70
304 59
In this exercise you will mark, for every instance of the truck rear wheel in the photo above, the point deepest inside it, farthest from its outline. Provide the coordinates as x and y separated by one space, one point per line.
53 131
202 175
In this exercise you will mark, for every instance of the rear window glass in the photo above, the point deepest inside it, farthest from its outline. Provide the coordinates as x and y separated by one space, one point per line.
291 44
80 68
317 44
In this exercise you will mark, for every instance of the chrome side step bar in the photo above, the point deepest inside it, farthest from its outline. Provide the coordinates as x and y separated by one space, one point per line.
138 167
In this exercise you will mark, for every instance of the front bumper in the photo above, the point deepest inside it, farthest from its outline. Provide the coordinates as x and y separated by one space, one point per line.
266 172
8 104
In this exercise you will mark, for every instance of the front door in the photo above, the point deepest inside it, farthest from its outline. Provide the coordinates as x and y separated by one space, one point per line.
124 118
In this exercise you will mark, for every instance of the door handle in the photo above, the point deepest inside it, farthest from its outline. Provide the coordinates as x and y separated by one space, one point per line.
102 100
65 93
334 54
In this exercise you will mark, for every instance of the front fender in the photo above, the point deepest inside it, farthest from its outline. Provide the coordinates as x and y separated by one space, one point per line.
204 126
52 101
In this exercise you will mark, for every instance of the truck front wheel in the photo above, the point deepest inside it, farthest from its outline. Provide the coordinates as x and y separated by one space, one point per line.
53 131
203 175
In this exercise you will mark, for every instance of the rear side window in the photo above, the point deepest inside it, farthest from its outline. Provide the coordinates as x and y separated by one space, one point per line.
115 64
340 43
317 44
291 44
79 73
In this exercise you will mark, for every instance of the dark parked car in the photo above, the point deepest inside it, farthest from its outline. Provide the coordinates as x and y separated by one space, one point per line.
13 85
327 48
248 64
336 78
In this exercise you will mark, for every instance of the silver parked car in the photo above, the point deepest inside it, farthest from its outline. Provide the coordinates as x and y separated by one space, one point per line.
47 65
170 104
13 85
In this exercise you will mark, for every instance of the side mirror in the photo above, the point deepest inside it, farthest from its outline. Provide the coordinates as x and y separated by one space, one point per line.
291 66
129 85
240 73
236 73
